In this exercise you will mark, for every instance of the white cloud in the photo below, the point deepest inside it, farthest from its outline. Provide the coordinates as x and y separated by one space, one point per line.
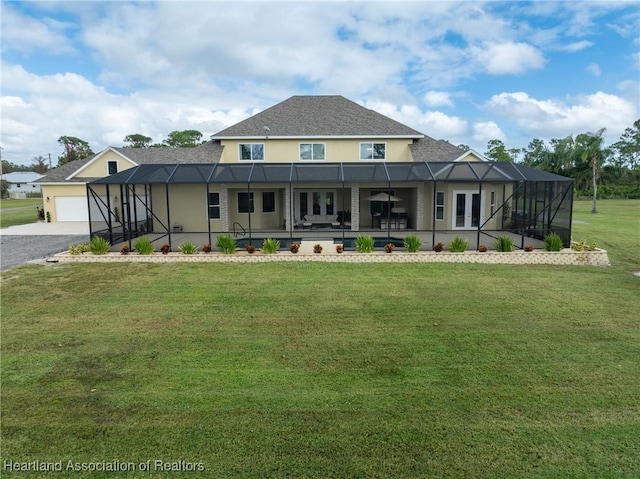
26 34
438 98
576 46
594 69
556 119
483 131
508 58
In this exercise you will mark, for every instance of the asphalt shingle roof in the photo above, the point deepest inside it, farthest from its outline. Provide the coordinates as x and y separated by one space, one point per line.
318 116
209 152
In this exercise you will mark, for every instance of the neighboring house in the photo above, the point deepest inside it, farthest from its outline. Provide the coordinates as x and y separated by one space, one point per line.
313 163
22 182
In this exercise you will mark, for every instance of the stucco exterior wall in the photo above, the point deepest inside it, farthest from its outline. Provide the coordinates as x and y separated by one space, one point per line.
98 168
336 150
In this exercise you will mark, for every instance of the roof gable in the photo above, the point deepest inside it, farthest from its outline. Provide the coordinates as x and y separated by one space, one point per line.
318 116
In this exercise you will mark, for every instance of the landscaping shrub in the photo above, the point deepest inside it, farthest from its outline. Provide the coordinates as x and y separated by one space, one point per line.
79 248
583 246
188 248
553 242
227 244
250 248
339 248
483 248
165 248
99 245
143 245
457 245
365 244
317 248
124 250
389 247
206 248
294 247
504 244
528 248
438 247
270 246
412 243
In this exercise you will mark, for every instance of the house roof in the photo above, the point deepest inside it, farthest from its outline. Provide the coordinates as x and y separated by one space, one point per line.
428 149
208 152
318 116
21 176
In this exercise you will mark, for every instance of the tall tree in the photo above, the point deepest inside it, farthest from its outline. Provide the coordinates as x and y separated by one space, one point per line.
183 139
74 149
39 165
136 140
590 151
498 152
535 154
628 148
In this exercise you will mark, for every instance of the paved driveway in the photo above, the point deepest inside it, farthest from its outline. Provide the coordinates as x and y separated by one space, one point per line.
38 241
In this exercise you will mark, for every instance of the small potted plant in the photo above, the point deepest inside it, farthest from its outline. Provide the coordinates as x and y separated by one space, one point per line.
294 247
482 248
250 248
206 248
124 250
528 248
165 248
339 248
317 248
388 248
438 247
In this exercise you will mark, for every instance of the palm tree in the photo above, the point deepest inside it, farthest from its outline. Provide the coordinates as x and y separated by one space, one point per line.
591 153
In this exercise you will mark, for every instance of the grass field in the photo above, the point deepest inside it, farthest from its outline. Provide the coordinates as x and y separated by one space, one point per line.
18 212
327 370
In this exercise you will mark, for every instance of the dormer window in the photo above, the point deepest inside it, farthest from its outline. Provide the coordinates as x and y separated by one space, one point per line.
373 151
252 151
112 167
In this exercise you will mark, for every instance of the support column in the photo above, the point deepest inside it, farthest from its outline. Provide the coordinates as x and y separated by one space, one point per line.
420 207
224 207
355 207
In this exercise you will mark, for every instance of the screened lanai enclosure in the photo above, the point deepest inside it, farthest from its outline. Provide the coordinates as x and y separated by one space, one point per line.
295 201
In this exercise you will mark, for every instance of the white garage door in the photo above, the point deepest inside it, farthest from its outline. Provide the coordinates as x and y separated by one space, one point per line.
74 208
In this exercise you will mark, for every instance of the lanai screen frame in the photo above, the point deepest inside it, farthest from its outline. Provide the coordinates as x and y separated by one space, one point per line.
525 181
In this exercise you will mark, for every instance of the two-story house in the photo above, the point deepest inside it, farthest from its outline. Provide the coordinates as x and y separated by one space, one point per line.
310 165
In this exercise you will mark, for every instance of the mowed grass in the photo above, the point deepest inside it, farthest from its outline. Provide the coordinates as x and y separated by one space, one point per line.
324 370
10 215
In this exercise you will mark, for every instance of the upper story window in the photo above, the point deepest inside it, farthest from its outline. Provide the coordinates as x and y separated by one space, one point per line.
112 167
311 151
373 151
252 151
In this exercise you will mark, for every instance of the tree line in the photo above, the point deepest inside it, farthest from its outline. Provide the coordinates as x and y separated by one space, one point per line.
609 172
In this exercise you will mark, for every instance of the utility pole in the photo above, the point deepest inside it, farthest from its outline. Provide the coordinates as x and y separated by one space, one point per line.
1 160
49 160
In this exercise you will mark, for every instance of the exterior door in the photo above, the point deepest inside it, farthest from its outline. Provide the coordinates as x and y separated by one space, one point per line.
467 210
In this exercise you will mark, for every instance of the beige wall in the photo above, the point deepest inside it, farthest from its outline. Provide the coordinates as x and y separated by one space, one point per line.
51 191
98 167
336 150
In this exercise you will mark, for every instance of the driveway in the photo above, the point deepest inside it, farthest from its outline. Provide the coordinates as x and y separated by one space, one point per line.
38 241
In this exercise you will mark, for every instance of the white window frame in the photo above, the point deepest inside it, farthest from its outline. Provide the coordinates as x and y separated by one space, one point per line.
440 205
240 145
372 143
109 162
324 152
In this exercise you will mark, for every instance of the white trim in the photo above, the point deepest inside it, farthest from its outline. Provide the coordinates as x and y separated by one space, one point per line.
312 143
473 152
97 157
468 226
372 149
328 137
264 152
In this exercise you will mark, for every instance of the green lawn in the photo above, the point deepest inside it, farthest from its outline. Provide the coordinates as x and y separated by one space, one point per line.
326 370
18 212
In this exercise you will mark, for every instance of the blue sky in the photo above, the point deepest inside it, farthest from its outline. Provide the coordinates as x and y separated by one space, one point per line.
466 72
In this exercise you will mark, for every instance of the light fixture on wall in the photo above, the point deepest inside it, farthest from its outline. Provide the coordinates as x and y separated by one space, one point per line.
115 198
47 199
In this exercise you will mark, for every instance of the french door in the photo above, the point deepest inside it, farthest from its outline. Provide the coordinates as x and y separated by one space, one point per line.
315 202
467 210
